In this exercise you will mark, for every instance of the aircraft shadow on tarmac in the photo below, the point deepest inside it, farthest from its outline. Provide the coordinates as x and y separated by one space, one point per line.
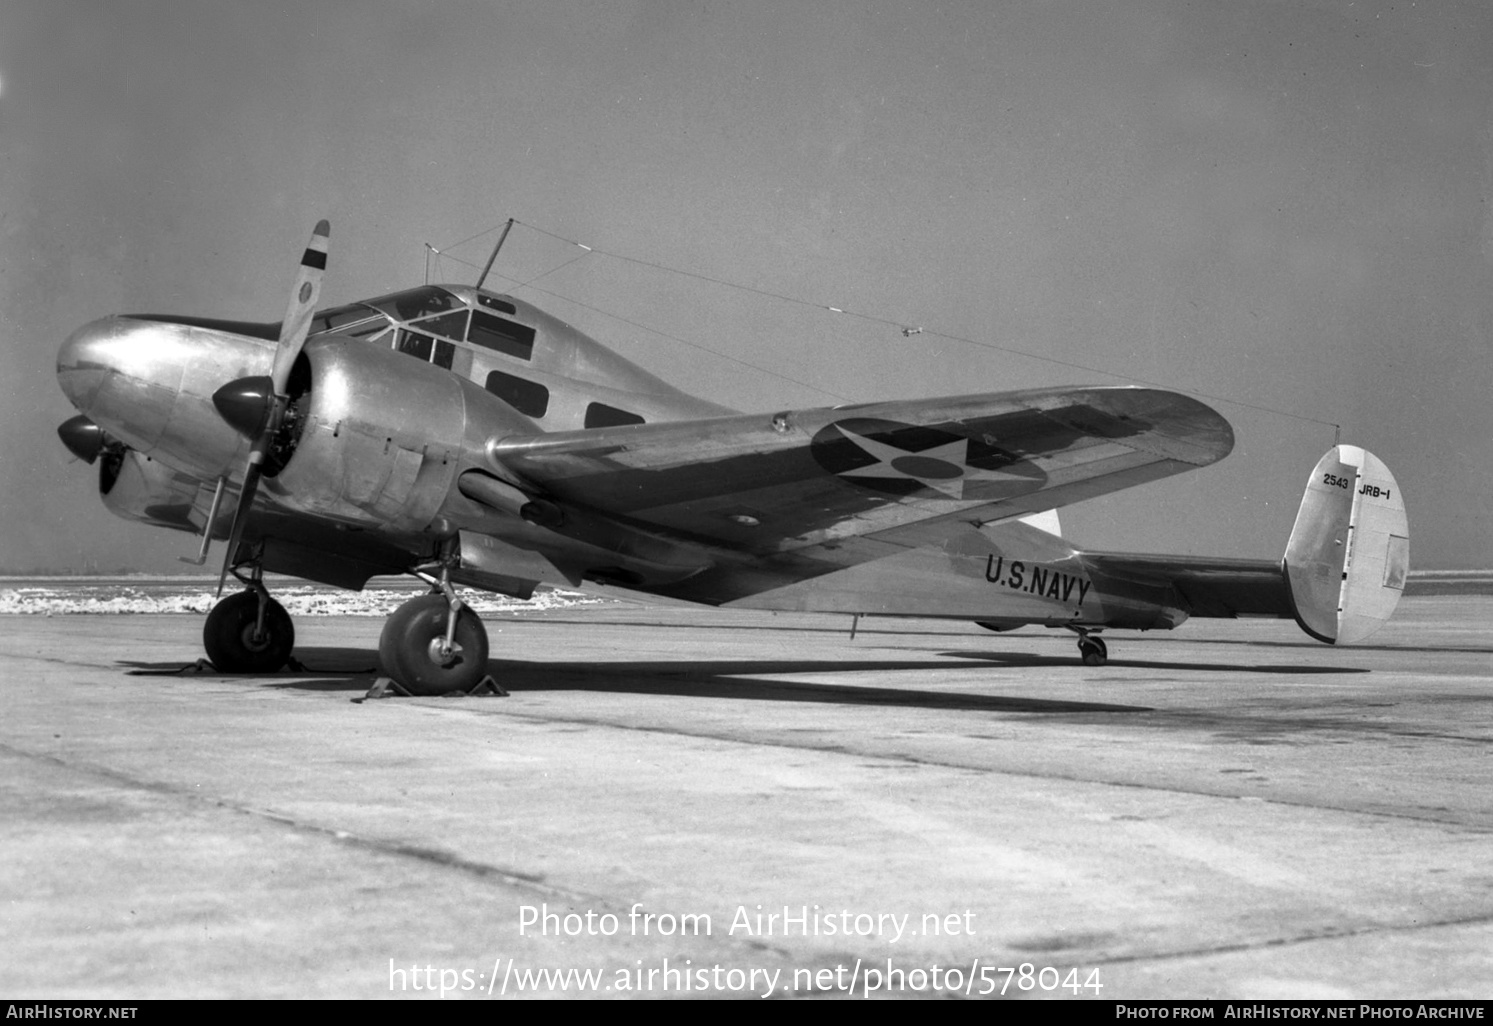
1357 646
1026 659
734 679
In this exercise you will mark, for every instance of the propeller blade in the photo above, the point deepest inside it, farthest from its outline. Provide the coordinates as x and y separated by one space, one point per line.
240 518
303 300
244 403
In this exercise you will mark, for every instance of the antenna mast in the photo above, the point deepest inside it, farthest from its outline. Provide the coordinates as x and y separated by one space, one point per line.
506 229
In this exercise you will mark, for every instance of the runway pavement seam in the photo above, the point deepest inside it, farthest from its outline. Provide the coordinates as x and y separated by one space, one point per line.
433 856
429 856
1285 942
947 764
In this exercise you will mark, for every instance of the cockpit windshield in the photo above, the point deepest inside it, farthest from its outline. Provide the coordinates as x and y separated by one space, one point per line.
432 324
415 303
353 319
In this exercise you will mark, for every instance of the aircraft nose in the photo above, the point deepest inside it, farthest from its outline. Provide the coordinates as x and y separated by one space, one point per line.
122 373
86 359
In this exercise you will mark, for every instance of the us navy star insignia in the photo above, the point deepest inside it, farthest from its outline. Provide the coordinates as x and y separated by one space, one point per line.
943 468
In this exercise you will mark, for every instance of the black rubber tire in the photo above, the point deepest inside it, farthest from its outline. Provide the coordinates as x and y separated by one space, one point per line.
1093 651
406 648
228 635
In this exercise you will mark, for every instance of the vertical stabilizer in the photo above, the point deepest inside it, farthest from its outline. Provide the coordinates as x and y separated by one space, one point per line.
1350 548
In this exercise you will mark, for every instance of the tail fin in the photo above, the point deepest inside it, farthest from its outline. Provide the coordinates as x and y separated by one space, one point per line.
1350 548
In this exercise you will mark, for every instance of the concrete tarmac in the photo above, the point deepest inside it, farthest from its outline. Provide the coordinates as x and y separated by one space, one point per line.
1226 810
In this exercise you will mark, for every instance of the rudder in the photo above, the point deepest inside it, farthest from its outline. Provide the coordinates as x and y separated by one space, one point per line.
1350 548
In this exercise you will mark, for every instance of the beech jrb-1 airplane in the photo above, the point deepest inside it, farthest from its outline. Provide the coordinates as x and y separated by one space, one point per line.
468 438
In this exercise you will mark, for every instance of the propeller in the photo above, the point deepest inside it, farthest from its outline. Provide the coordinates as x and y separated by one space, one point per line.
255 406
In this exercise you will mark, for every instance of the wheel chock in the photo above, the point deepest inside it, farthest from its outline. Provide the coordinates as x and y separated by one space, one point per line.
485 686
388 687
382 688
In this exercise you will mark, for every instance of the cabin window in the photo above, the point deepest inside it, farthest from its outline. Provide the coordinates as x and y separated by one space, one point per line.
415 344
444 353
502 336
527 397
600 415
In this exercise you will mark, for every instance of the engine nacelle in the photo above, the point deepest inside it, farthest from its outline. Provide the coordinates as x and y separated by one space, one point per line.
137 487
382 437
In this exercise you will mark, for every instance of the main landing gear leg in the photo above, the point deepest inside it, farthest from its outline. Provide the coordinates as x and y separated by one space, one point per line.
249 632
1090 647
434 644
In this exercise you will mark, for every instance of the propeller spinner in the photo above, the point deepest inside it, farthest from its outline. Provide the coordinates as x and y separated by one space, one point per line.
83 438
256 406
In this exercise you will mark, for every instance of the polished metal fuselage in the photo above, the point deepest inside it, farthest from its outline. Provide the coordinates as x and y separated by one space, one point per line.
395 457
381 441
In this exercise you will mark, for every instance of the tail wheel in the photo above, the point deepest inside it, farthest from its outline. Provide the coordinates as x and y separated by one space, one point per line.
410 648
234 642
1093 651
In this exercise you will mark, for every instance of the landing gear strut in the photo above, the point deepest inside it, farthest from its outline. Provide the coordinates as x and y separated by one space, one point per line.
249 632
434 643
1090 647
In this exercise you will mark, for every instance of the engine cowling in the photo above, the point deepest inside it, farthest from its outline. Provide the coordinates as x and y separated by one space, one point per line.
381 438
136 487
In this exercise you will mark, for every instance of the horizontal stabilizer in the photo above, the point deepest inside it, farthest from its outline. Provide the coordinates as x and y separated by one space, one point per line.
1350 548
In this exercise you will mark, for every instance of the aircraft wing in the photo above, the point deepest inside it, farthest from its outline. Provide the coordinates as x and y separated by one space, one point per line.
780 497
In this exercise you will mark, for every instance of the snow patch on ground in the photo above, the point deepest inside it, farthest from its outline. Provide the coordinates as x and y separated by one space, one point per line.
297 600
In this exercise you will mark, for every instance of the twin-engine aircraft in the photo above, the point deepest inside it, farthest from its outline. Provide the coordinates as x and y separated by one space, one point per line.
468 438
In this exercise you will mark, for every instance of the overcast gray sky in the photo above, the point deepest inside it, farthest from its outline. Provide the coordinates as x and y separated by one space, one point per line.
1282 205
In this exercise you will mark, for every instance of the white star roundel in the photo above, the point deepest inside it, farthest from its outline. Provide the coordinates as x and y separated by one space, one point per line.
941 467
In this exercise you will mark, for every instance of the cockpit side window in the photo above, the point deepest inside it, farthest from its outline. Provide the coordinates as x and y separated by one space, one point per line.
414 344
502 336
451 325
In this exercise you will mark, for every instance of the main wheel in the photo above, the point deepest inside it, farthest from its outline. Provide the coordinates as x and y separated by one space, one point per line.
235 646
410 647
